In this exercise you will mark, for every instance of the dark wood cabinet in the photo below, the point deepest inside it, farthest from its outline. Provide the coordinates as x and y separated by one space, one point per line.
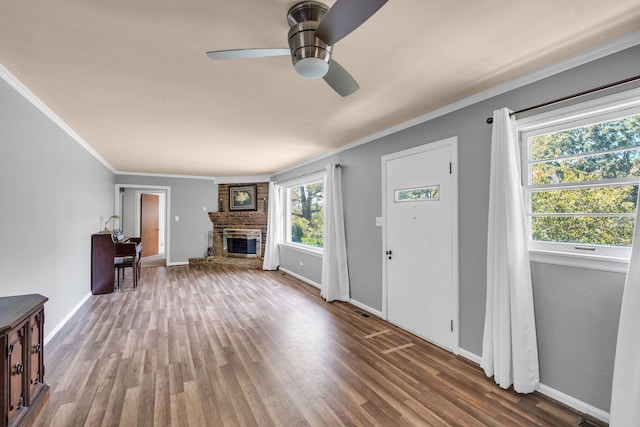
102 269
22 344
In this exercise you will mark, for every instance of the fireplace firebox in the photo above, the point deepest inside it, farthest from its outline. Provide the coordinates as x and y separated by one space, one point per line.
242 243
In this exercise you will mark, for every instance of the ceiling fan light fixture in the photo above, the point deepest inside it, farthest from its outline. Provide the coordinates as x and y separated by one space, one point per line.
310 55
311 68
311 25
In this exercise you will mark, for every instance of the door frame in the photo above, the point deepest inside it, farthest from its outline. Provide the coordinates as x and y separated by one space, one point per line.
452 143
167 209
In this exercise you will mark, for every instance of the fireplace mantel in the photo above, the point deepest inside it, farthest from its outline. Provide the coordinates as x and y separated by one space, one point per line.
238 218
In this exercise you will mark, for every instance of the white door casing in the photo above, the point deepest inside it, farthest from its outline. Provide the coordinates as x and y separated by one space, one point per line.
165 212
420 274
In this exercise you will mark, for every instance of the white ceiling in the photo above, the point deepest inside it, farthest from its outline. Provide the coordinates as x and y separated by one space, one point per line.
132 78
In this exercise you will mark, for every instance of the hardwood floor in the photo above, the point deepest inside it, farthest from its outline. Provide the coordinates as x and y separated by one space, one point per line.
222 346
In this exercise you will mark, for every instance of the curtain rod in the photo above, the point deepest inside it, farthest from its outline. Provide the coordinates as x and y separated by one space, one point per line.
575 95
338 165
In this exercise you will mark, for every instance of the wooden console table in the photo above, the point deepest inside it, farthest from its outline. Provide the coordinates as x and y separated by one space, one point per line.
22 375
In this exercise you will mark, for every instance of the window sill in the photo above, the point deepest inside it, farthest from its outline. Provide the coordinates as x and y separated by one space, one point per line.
309 250
593 262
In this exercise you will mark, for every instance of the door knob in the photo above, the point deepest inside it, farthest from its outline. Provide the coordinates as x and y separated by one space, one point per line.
389 254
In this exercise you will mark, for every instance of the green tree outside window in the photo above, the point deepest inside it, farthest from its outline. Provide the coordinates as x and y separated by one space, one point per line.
597 213
307 214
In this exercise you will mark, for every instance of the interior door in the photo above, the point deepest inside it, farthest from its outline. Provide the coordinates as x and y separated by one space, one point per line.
421 254
149 223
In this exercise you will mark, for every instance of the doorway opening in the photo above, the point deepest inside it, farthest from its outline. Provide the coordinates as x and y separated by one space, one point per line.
144 213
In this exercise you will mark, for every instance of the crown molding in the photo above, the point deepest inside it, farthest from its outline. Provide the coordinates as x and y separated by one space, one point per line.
630 40
617 45
17 85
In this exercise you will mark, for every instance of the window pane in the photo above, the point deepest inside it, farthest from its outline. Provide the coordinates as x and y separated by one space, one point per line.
621 199
592 172
583 230
603 136
589 168
307 214
418 194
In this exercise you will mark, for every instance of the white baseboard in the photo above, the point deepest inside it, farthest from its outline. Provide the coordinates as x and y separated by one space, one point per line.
299 277
554 394
173 264
574 403
469 356
358 304
59 326
366 308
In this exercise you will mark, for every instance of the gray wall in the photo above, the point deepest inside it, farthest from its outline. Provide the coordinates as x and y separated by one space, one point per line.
591 344
188 236
54 194
304 264
577 313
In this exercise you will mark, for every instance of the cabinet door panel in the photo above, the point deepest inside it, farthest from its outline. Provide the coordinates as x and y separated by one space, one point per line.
16 373
35 354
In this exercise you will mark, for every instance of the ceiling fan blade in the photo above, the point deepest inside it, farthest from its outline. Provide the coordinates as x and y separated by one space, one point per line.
340 80
247 53
344 17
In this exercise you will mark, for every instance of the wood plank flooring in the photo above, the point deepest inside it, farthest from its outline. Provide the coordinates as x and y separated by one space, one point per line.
196 346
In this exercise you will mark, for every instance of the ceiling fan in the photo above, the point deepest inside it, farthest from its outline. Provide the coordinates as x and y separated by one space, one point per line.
314 29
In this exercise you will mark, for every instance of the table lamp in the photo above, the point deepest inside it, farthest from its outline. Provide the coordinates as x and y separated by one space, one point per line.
106 230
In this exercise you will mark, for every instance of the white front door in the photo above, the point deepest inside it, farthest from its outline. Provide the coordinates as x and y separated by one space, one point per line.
420 203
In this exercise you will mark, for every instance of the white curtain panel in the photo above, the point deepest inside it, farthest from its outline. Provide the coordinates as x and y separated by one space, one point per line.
509 346
335 271
274 228
625 394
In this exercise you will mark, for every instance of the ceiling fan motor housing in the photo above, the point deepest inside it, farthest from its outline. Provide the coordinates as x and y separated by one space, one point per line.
310 55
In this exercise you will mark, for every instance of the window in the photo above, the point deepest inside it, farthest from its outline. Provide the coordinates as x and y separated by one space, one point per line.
417 194
304 213
581 174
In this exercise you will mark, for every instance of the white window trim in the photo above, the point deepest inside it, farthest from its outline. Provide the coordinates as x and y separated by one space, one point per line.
286 186
572 255
592 262
305 249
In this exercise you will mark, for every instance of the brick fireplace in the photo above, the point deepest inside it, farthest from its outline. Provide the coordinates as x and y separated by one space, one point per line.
244 220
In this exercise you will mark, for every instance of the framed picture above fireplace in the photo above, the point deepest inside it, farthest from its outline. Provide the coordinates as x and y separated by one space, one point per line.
242 198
